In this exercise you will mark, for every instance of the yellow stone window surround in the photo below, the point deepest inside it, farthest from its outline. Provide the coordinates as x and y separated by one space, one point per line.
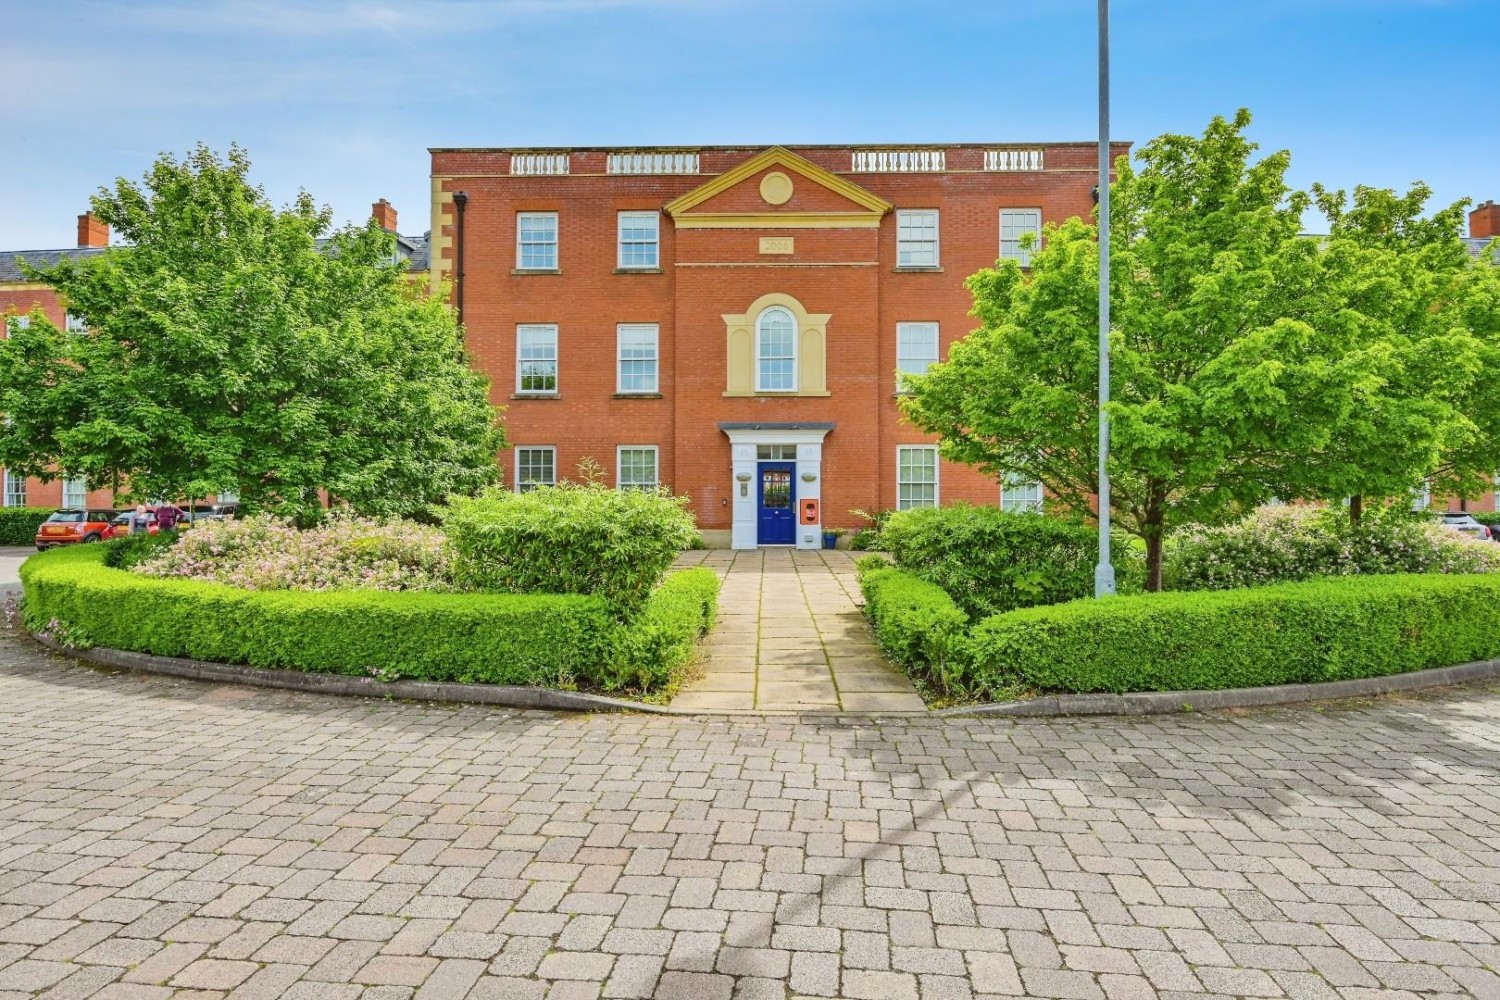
812 348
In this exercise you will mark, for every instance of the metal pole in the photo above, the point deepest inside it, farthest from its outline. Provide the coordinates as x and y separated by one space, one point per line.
1104 573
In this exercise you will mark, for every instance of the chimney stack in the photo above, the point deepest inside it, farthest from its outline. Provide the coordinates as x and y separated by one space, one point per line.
384 215
92 232
1484 221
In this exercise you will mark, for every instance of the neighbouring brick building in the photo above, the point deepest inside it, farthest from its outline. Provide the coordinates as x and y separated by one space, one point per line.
20 297
730 321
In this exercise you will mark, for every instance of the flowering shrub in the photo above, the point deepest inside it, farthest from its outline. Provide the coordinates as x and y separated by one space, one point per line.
1281 544
343 553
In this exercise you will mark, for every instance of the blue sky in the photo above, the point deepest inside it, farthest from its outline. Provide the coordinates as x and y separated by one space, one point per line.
343 98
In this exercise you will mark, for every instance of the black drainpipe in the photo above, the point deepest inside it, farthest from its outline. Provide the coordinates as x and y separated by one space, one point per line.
460 199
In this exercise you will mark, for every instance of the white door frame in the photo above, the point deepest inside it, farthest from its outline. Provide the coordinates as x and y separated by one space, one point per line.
744 439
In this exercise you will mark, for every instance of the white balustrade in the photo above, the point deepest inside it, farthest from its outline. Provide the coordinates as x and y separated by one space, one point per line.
651 163
540 164
899 161
1013 159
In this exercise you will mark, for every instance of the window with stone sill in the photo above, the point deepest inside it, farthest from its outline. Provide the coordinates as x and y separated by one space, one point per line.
916 350
536 241
637 357
776 351
535 467
636 467
640 240
917 238
916 476
1021 495
536 358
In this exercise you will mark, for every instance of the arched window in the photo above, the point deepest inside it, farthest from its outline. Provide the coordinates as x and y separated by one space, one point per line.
776 351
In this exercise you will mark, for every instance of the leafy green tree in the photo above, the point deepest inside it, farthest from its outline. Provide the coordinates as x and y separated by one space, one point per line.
231 346
1401 288
1218 372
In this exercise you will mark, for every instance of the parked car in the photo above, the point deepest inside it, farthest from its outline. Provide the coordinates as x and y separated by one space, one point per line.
222 511
1459 521
72 525
120 526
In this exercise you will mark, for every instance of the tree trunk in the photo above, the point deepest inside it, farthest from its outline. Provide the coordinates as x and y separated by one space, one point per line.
1153 560
1356 508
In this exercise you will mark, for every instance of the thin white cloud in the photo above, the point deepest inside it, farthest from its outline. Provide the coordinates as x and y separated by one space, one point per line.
320 18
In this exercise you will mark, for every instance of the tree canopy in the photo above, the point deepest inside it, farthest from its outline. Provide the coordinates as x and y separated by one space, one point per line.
232 346
1248 360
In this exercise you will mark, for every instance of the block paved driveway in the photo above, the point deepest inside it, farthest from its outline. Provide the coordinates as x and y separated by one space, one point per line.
791 637
167 838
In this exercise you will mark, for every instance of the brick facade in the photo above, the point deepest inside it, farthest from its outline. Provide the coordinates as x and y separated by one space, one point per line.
847 271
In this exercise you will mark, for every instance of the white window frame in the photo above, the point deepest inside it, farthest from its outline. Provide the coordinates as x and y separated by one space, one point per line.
760 321
522 329
75 492
906 215
1010 249
520 487
522 243
905 356
904 503
18 321
620 451
621 329
74 323
1022 504
621 220
13 496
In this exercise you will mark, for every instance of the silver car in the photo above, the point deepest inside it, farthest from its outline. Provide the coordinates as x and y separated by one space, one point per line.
1459 521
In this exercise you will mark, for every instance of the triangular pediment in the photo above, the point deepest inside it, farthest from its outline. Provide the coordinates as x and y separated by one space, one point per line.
777 189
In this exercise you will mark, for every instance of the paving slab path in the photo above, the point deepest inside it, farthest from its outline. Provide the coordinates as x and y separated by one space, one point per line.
166 839
791 637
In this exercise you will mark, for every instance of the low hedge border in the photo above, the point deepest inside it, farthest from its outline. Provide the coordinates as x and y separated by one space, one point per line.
1288 634
18 525
532 640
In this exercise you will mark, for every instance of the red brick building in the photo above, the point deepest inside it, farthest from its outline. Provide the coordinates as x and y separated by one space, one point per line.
730 321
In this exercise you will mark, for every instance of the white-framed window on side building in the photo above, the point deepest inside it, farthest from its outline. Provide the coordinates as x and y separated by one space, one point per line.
917 237
776 351
638 355
916 350
916 476
640 240
535 467
636 467
536 241
1014 224
19 321
15 490
74 323
1020 495
536 358
75 492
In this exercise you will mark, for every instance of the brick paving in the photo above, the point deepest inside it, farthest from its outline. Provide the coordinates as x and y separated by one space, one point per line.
164 838
791 637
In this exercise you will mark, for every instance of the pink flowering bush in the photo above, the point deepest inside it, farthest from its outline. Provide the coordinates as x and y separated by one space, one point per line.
1282 544
344 553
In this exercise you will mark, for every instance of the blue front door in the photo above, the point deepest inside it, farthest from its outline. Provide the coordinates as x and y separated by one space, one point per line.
778 495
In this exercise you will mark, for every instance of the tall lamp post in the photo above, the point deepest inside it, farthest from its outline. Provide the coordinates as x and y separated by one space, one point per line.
1104 573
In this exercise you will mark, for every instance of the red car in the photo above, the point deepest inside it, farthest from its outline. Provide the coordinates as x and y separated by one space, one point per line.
68 527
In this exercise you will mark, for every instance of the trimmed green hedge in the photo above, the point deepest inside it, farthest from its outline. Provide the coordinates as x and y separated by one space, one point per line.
990 560
1321 630
546 640
916 622
18 524
664 636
